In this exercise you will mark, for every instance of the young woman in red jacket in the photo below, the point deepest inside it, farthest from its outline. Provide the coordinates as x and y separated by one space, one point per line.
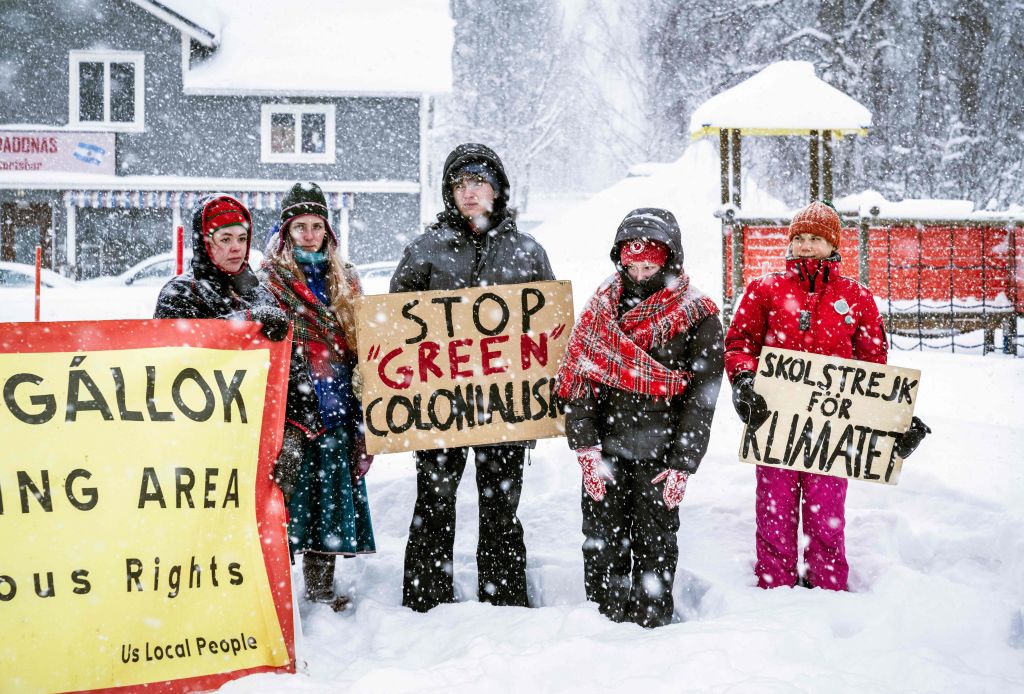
808 308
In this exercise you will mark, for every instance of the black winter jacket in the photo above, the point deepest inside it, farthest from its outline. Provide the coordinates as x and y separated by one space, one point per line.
206 291
634 426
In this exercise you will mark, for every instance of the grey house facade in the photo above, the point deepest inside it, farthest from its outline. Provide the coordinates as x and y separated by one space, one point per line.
105 145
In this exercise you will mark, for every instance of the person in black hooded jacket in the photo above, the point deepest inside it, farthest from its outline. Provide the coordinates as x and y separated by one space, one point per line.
641 378
220 284
473 243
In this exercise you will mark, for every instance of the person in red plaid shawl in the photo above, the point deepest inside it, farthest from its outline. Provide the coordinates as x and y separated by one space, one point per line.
640 379
321 467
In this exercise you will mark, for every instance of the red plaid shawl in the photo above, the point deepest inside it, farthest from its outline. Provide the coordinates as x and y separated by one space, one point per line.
614 352
314 323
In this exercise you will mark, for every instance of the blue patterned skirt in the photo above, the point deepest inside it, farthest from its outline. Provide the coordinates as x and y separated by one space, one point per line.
327 512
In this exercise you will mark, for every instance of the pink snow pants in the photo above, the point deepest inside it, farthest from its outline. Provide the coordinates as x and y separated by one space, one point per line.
781 495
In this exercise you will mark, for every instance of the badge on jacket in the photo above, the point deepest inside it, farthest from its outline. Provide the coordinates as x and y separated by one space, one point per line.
843 308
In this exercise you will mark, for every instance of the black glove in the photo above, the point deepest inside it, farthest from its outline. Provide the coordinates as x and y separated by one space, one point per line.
275 323
749 404
909 440
289 460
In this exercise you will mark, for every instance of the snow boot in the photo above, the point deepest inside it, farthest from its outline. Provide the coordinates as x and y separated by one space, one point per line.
318 570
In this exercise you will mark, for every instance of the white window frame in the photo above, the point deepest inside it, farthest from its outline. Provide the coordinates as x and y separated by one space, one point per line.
297 156
107 57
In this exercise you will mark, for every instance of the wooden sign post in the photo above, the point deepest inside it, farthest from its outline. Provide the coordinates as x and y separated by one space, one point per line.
462 367
831 416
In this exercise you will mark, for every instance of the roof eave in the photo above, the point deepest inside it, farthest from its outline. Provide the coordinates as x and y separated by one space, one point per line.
203 35
841 131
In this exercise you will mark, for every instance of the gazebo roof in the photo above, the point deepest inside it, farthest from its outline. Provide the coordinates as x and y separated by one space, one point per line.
785 98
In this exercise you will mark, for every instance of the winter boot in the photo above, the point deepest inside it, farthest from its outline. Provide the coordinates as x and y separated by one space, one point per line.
318 570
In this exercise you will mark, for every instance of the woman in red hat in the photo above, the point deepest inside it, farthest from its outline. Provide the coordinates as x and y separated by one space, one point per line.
641 377
808 308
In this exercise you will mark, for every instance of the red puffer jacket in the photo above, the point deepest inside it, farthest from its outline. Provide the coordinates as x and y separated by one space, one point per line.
841 318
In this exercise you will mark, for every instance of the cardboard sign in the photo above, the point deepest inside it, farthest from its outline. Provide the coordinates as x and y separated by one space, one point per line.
462 367
144 544
831 416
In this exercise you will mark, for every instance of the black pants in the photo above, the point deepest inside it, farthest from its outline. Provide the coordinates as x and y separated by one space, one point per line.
630 551
500 553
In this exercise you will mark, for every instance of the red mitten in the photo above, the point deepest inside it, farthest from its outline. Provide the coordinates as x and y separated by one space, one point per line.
675 486
590 462
361 459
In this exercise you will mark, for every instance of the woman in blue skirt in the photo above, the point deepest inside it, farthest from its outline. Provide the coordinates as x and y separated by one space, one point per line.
323 459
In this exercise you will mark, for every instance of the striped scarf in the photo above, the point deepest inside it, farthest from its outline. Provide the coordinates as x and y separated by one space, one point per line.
614 352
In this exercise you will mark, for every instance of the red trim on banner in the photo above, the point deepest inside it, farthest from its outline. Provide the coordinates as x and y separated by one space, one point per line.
271 519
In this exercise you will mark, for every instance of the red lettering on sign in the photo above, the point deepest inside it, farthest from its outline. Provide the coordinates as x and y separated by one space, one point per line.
528 348
454 358
487 356
428 353
404 371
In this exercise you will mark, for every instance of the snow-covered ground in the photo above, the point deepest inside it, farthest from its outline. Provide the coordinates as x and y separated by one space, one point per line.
937 562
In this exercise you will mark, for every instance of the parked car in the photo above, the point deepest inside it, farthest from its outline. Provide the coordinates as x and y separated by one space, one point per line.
22 275
376 277
155 270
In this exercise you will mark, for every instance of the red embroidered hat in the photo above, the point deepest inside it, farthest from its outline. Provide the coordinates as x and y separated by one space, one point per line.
223 212
818 219
643 251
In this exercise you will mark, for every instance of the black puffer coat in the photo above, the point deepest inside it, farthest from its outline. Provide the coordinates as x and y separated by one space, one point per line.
450 256
206 291
633 426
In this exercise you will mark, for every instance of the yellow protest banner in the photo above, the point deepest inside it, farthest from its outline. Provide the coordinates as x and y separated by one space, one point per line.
462 367
141 533
831 416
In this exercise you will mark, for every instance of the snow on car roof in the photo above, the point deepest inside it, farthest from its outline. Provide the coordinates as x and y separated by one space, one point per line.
48 277
321 47
785 98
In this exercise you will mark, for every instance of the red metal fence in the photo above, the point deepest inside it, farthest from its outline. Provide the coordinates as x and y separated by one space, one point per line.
937 283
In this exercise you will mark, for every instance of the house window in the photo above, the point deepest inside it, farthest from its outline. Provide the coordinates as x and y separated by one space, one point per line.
107 91
298 133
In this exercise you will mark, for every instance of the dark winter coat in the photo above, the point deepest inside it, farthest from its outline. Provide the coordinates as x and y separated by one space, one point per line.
634 426
206 291
449 255
842 319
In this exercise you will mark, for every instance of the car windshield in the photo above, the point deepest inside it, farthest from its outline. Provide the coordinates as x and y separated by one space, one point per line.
11 278
157 273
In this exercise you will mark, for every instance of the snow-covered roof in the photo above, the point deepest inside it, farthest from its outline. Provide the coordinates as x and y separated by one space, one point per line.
785 98
319 47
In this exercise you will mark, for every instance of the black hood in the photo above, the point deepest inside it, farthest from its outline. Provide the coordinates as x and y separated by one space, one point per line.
467 153
655 224
203 266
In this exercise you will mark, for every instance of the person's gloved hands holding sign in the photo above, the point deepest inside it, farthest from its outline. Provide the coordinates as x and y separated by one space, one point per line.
749 404
908 441
274 322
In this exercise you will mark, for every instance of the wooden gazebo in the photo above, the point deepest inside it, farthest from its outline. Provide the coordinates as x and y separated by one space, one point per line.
783 99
